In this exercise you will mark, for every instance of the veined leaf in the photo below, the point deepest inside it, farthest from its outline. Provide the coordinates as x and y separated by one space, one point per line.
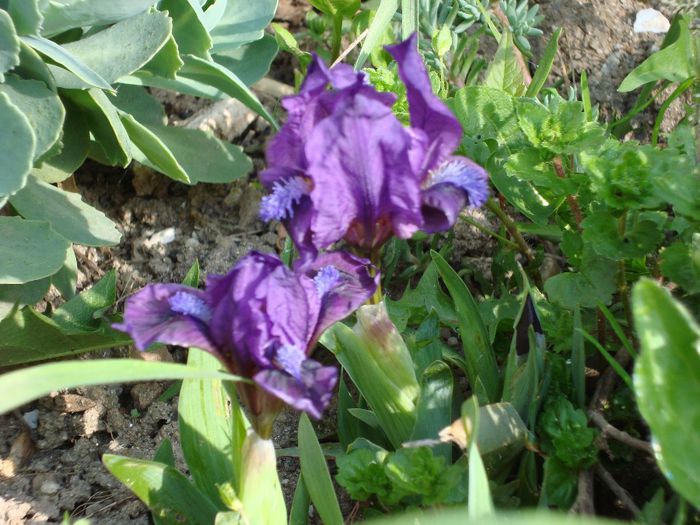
504 71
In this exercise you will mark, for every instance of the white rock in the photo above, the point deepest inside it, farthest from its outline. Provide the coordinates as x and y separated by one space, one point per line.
49 487
31 418
165 236
651 21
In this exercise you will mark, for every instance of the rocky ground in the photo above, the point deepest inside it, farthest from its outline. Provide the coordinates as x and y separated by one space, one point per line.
51 449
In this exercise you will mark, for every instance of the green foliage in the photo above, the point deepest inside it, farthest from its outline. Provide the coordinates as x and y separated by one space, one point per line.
61 101
667 380
409 476
566 435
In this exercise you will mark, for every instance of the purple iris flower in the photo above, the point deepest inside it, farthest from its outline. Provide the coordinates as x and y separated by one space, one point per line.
344 167
262 320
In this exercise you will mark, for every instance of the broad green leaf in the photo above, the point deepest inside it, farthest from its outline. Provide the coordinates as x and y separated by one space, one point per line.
574 289
458 516
34 382
66 279
12 295
434 406
376 31
217 76
42 108
250 62
394 406
137 102
154 151
189 31
680 262
480 358
169 495
165 453
504 71
104 123
61 15
31 250
316 476
641 235
17 146
62 56
28 336
75 141
26 16
9 45
32 66
118 50
212 16
675 62
345 8
66 212
203 157
211 436
545 65
242 22
667 383
522 194
559 484
166 63
487 113
82 313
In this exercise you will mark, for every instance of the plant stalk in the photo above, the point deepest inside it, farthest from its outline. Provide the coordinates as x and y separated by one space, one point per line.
512 228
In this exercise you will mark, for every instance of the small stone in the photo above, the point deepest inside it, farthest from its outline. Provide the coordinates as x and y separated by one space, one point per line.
452 341
144 394
163 237
72 403
49 487
31 418
651 21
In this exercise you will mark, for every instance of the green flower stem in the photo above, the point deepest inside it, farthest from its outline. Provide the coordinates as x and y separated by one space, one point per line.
376 260
512 228
622 286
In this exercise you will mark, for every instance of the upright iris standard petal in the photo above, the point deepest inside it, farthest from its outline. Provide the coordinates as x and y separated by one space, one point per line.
167 313
429 114
363 185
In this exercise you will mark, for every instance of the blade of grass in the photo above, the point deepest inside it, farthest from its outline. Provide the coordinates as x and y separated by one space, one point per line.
386 11
609 358
619 332
545 65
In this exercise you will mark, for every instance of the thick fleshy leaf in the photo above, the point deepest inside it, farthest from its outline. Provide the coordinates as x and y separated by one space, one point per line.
75 141
66 212
66 279
26 16
104 123
17 147
250 62
32 66
167 313
242 22
31 250
62 56
189 31
9 45
67 14
19 295
202 156
42 108
118 50
136 101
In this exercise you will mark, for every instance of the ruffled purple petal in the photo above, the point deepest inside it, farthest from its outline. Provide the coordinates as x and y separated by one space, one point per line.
170 314
362 180
456 183
344 282
428 113
311 392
